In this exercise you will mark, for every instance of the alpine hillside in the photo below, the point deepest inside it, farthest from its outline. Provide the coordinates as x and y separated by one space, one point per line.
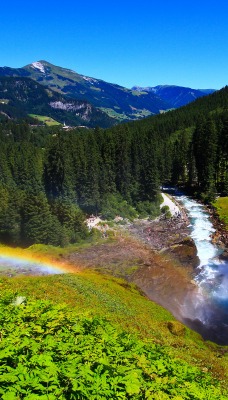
118 102
21 98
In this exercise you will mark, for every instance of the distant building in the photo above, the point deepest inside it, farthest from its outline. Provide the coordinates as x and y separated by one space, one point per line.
67 127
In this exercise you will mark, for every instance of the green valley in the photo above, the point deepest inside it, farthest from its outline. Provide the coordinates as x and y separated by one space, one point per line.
88 332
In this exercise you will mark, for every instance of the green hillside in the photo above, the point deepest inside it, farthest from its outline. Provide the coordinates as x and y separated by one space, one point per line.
221 206
109 341
82 350
22 97
124 103
46 120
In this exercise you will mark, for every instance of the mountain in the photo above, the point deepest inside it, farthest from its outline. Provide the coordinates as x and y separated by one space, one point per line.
175 96
118 102
22 96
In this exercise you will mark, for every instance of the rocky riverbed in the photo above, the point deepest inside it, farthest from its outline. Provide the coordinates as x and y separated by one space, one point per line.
158 256
220 236
168 236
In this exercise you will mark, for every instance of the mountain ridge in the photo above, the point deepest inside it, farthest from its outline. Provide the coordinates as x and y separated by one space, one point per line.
176 96
120 103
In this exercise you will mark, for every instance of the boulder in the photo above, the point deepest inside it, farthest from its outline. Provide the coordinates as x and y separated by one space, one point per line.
185 252
176 328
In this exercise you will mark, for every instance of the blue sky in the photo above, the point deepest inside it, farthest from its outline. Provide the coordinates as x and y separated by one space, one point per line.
143 43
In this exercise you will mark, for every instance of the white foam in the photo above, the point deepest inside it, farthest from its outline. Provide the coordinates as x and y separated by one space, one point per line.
202 229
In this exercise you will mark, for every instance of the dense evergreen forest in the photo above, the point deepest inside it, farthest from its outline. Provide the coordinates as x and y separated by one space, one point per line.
50 178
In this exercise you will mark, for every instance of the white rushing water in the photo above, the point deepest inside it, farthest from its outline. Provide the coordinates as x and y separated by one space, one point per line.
210 302
202 230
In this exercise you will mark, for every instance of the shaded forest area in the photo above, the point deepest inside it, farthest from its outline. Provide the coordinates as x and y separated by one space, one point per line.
49 179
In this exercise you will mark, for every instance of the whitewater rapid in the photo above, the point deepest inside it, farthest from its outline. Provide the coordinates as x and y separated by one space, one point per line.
207 309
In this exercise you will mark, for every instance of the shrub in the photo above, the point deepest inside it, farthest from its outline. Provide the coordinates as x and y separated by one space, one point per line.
166 211
148 209
114 205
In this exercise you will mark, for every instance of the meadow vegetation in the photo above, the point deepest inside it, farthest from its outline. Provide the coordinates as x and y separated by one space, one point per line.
89 336
46 120
221 206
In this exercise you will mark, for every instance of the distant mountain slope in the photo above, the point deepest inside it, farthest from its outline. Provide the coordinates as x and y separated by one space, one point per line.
176 96
20 96
186 116
118 102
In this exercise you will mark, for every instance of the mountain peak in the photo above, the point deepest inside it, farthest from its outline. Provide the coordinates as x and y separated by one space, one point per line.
45 67
38 65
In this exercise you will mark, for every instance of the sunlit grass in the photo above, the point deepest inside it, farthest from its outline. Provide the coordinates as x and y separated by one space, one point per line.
47 120
91 293
221 205
94 294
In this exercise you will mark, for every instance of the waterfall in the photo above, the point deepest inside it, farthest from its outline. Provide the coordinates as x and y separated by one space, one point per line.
206 310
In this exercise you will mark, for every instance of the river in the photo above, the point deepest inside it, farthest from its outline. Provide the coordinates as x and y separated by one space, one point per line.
206 309
202 305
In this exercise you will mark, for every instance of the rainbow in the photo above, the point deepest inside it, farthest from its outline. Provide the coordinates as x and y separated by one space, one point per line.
21 260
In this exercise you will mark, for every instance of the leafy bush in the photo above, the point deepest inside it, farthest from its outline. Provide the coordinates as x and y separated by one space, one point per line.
166 211
114 205
48 352
148 209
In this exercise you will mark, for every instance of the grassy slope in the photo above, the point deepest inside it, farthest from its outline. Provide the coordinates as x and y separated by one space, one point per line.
47 120
49 351
96 294
221 205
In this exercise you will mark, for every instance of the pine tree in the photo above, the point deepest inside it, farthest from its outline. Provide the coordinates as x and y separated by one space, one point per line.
71 219
39 225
